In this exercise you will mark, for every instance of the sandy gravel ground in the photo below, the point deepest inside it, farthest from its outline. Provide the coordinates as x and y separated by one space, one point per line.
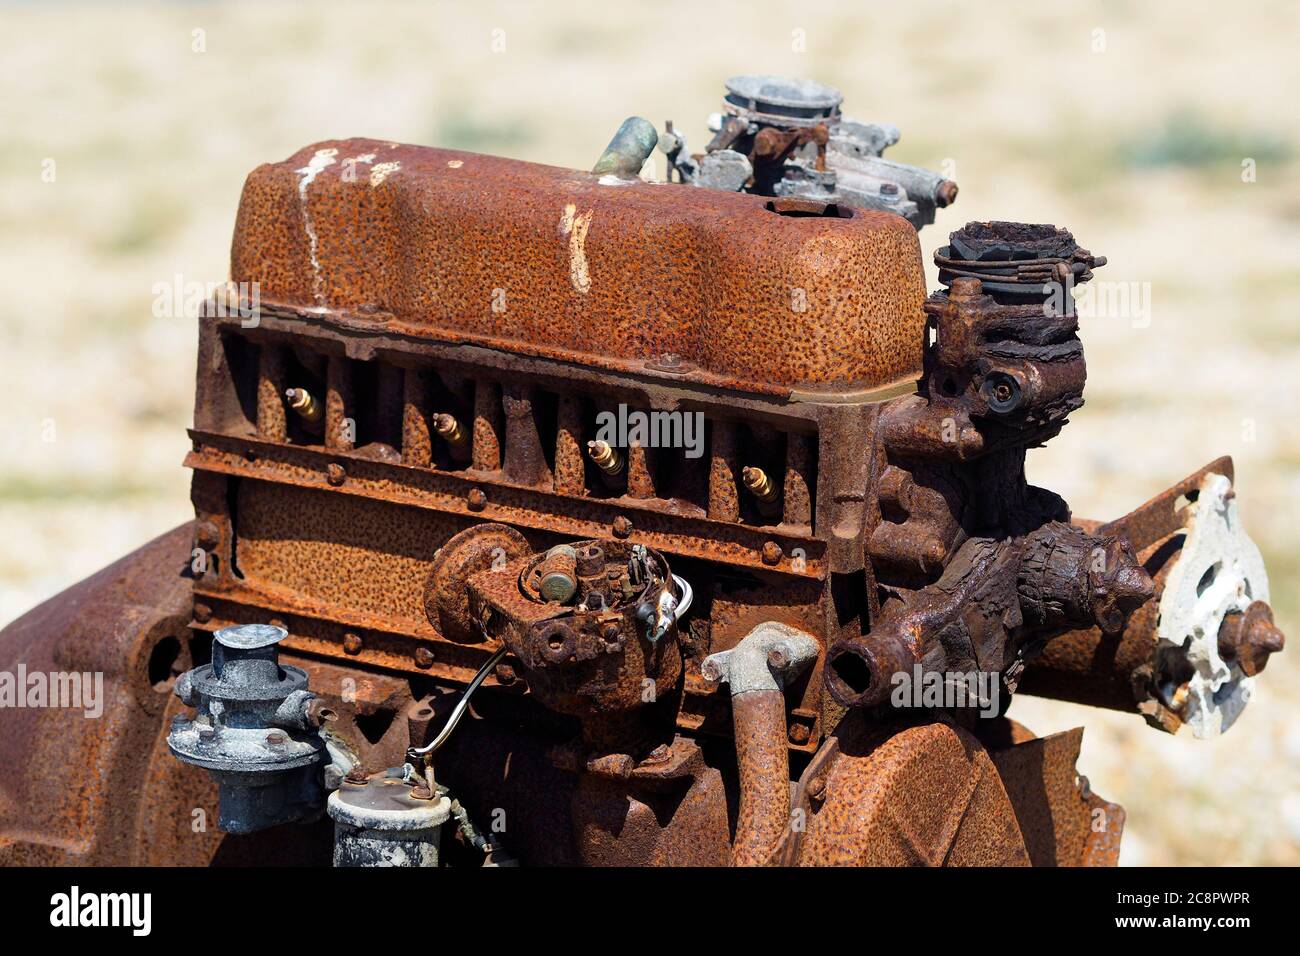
1128 123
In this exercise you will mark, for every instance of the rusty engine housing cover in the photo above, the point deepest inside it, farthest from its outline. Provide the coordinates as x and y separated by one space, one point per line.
750 293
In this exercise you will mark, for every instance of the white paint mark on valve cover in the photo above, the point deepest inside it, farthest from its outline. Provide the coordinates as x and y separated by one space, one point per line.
321 159
382 171
575 226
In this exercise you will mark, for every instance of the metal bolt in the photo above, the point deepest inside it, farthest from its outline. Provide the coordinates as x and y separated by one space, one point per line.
335 474
206 535
276 739
423 658
1249 637
202 613
505 674
817 787
476 499
660 754
356 775
800 734
622 526
351 644
778 658
772 553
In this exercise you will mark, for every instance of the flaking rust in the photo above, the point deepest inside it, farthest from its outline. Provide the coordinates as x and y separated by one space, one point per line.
399 462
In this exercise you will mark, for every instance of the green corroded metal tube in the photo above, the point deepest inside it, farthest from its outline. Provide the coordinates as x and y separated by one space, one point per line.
629 149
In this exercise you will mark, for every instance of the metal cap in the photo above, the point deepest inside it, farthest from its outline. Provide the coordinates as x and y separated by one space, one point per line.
784 99
247 637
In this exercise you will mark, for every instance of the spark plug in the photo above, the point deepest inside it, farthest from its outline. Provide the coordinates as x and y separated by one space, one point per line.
759 485
450 430
305 404
606 457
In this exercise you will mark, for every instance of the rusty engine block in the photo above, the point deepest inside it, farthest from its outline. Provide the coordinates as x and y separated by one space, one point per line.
694 483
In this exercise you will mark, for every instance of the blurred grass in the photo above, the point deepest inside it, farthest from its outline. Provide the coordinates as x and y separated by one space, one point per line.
462 131
1136 148
1188 138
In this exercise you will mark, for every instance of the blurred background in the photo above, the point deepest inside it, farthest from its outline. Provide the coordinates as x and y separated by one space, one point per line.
129 127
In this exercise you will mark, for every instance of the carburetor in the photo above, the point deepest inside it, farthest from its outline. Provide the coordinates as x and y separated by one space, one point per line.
786 137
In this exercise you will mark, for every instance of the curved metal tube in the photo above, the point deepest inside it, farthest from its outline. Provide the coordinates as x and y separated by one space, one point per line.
757 670
459 711
685 595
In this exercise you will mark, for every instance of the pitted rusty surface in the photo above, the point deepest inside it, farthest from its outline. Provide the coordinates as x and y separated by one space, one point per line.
763 764
891 795
1106 822
288 540
672 810
612 275
1063 823
446 590
521 507
56 811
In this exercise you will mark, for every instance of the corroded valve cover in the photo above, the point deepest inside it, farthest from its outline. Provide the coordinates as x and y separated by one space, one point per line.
762 294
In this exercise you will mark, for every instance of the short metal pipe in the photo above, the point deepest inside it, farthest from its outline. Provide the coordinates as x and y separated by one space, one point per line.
757 670
627 152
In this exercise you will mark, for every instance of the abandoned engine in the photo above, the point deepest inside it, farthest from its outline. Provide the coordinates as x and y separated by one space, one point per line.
553 517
